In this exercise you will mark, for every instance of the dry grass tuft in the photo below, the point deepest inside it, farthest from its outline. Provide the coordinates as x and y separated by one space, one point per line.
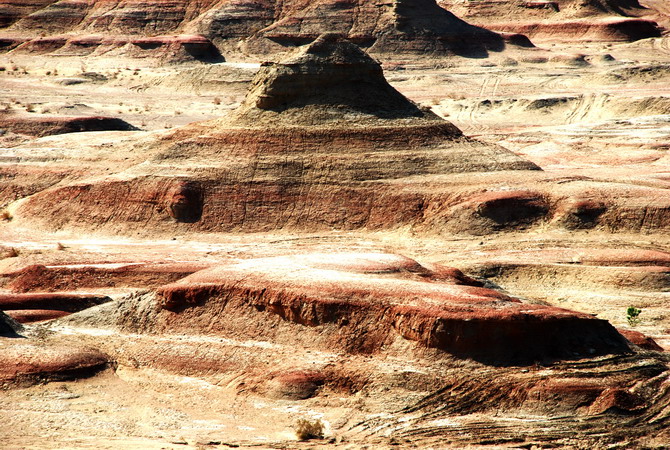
306 429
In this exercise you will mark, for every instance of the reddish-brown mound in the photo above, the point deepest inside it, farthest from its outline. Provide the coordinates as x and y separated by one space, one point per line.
641 340
35 315
47 305
317 143
175 48
361 311
37 278
416 26
611 29
29 362
70 302
49 125
8 326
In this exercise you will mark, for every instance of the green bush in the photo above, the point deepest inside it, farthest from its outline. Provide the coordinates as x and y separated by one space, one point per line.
633 315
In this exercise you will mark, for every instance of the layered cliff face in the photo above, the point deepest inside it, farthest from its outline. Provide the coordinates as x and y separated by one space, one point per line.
562 20
261 26
318 142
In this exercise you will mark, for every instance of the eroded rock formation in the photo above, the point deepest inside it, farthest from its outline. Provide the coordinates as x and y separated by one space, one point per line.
321 141
261 26
372 299
565 20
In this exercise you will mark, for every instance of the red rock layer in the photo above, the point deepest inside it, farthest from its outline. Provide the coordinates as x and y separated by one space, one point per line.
565 20
615 29
38 278
25 362
361 310
50 125
264 25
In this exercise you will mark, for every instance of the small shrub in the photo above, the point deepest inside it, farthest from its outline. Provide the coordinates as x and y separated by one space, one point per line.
306 429
633 316
6 215
60 246
12 253
30 107
217 100
48 72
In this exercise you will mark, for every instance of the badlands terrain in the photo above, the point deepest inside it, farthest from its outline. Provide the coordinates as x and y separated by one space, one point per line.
416 224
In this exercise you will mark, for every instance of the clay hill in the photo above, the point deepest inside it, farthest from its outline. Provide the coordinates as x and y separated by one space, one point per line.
564 20
321 141
254 247
183 30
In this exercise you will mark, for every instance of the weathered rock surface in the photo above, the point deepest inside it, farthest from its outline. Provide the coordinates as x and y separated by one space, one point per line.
360 303
8 326
261 26
50 125
24 361
566 20
320 141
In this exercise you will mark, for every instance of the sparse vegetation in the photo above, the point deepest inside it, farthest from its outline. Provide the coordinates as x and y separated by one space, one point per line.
30 107
633 316
217 100
307 429
5 215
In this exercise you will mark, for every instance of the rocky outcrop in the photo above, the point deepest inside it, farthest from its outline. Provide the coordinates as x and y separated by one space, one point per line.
40 279
321 141
8 326
24 362
167 49
418 26
398 26
568 20
36 307
45 125
362 303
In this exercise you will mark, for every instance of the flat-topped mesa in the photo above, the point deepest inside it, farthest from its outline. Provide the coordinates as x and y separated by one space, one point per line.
329 80
561 20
